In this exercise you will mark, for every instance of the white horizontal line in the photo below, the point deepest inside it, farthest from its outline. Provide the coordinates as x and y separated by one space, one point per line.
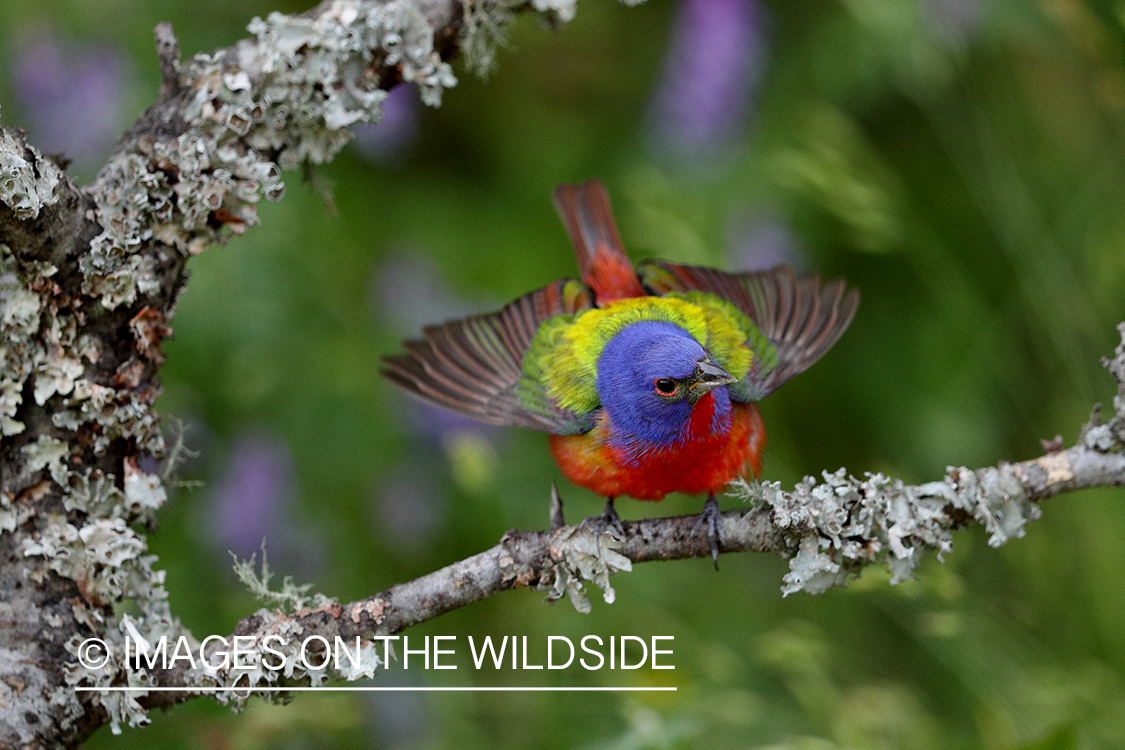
358 688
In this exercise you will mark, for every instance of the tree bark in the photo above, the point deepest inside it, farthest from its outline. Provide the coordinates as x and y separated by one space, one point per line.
89 279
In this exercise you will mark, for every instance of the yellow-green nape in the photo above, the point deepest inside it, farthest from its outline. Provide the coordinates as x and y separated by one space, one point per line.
562 361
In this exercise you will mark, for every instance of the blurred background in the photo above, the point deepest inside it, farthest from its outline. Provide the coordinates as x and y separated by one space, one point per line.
960 161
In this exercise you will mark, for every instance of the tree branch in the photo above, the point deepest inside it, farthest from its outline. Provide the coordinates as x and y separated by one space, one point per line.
829 530
89 278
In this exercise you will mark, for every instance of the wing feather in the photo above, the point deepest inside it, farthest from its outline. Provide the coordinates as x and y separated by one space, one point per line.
801 317
473 366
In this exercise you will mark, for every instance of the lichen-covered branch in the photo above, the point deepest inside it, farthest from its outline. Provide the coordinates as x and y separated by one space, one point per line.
89 278
829 530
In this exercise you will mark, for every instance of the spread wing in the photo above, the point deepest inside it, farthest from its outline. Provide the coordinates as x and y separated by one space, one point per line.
800 317
472 366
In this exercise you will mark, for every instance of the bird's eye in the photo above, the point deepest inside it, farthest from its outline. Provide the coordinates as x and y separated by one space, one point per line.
666 386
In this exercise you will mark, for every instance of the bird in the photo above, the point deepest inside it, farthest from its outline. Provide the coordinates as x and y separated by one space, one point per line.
645 378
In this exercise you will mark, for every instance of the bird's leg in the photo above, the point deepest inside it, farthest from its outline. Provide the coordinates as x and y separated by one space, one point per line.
608 519
712 517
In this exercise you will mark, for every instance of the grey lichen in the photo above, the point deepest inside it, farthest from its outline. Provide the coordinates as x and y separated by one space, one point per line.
484 26
846 523
1116 367
580 554
1109 437
224 132
324 66
20 352
123 638
26 186
48 453
231 669
118 414
104 556
108 561
564 10
97 548
290 597
10 516
40 343
1101 437
283 653
279 653
276 102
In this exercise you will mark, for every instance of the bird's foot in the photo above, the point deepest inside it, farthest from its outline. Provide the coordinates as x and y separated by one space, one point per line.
712 518
607 520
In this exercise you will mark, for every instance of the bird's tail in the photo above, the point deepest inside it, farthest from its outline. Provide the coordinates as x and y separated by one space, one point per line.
589 221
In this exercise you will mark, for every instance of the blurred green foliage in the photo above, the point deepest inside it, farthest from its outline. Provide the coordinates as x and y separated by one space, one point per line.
962 163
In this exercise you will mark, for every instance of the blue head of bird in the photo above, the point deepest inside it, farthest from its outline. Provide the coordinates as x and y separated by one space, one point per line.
651 375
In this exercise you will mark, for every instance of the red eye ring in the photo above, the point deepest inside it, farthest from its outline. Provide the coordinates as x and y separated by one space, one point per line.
666 386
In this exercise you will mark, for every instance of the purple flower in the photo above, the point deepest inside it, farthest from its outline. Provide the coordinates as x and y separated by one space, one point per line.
408 292
757 244
951 21
409 506
74 96
714 62
252 500
392 137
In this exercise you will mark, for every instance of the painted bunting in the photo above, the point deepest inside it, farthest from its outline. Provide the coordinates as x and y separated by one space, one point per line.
644 378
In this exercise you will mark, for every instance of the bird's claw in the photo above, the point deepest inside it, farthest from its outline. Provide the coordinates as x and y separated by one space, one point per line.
712 518
607 520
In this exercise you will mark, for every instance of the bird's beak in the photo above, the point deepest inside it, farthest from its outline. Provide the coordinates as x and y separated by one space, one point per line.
708 375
